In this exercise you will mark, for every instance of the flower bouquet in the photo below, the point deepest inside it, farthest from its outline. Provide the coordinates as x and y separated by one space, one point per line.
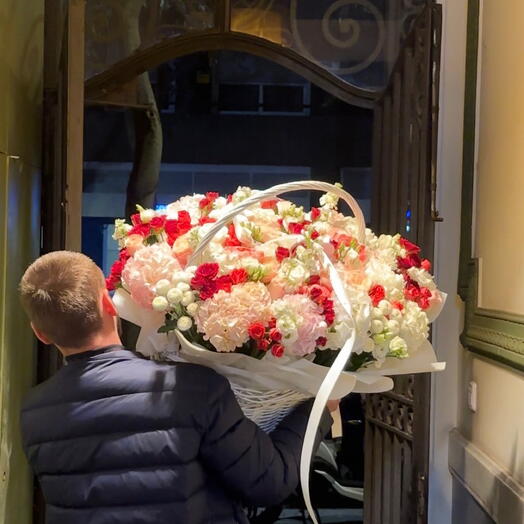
286 303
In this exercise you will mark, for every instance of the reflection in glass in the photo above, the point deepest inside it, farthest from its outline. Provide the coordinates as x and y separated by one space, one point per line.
117 28
358 40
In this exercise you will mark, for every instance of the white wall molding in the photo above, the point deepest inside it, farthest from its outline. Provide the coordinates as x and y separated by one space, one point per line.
445 392
497 492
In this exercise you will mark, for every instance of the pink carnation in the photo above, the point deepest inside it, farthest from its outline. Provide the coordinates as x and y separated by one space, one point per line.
149 265
225 318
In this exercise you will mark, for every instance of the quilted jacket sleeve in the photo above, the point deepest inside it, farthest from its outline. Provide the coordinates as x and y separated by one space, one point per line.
262 469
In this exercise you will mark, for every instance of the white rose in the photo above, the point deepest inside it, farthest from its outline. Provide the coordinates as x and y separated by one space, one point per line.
376 314
174 295
297 274
192 309
377 326
220 202
367 345
393 327
184 323
162 287
160 304
396 294
385 307
188 298
147 215
396 314
399 347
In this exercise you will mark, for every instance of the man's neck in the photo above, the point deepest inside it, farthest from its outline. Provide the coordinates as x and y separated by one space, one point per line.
94 344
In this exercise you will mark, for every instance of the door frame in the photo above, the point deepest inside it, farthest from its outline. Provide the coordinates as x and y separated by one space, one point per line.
445 385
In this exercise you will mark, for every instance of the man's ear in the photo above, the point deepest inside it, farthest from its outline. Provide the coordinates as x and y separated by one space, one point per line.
107 304
41 336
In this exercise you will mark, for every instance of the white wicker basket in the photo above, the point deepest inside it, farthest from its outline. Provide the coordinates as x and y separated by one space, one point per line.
267 408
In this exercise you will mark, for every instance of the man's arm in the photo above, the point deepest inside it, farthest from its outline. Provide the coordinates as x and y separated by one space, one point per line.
261 468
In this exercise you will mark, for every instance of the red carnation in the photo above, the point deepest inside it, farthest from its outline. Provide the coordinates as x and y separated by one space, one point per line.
424 297
239 276
345 240
275 335
117 268
229 198
232 239
111 282
269 204
319 294
315 213
296 228
409 261
158 222
198 282
412 249
141 229
124 255
223 283
412 291
184 217
204 203
135 219
329 316
208 290
426 264
282 253
177 228
263 344
208 270
257 330
328 304
314 234
329 311
397 305
277 350
206 220
377 293
321 341
313 279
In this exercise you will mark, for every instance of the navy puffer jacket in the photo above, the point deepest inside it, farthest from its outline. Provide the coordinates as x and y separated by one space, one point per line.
117 439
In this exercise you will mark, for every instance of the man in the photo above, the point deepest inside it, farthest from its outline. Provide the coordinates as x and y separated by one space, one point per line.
117 439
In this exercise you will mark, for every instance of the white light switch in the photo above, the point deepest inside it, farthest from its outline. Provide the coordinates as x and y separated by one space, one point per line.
472 396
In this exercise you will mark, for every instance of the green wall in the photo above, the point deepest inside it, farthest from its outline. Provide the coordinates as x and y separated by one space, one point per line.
21 27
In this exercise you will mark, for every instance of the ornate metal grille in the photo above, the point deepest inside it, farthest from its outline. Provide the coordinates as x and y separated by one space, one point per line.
397 422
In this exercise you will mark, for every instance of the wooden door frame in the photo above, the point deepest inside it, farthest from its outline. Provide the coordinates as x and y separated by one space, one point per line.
62 151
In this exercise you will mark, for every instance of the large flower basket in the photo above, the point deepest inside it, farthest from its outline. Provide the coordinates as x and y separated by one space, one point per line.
287 305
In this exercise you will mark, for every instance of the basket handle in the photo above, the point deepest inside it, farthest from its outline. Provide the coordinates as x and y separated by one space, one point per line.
276 191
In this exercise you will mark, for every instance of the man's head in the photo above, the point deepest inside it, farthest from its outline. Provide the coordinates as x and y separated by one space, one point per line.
66 300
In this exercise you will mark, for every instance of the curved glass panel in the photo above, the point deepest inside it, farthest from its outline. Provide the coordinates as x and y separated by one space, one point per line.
357 40
117 28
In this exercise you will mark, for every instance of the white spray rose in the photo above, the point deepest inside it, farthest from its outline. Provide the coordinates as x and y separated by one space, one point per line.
160 304
184 323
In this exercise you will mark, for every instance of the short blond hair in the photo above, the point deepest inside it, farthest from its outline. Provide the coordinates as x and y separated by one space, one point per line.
61 294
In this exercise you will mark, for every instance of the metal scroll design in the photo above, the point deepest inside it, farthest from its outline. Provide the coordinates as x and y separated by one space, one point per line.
342 27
